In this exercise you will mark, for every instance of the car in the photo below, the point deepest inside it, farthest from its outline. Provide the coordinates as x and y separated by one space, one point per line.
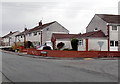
44 47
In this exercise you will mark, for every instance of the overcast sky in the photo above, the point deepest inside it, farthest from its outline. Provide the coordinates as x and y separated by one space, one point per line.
72 14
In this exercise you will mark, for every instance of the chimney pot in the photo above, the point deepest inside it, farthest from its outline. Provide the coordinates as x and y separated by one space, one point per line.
10 31
40 23
25 29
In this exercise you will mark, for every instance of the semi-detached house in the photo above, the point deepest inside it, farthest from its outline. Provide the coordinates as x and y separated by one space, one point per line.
102 34
42 33
85 43
109 25
9 39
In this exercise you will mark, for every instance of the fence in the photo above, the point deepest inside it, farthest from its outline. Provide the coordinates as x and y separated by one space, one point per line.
58 53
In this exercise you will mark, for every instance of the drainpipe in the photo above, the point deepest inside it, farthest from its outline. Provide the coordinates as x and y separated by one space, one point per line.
24 39
41 36
9 41
86 44
108 31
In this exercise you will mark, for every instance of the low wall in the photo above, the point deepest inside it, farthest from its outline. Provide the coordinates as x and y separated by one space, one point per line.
58 53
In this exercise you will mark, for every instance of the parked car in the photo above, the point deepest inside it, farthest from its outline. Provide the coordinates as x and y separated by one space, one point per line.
44 47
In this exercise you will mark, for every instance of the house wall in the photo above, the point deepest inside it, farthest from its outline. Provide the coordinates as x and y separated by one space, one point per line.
10 40
118 38
6 41
35 39
98 23
53 28
67 43
82 47
93 44
13 38
46 34
20 39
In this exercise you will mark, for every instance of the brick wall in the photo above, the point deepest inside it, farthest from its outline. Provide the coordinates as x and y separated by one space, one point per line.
57 53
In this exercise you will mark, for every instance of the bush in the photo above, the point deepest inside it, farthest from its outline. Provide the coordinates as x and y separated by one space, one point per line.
67 49
93 50
60 45
28 44
47 48
16 45
74 44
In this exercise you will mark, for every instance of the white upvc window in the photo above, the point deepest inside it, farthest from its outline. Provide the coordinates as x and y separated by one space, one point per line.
113 43
114 27
35 33
29 34
80 42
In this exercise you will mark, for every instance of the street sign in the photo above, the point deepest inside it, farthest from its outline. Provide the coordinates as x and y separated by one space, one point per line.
100 43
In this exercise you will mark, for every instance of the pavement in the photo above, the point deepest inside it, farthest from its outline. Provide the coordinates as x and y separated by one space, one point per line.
60 58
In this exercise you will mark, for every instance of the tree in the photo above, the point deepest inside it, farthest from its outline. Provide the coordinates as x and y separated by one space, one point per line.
74 44
28 44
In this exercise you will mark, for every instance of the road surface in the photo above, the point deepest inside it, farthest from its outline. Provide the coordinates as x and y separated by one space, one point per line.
25 69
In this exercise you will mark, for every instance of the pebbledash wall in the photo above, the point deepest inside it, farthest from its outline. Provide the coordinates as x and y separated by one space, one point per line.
93 44
82 54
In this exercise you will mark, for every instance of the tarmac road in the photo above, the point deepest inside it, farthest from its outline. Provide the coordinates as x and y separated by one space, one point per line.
25 69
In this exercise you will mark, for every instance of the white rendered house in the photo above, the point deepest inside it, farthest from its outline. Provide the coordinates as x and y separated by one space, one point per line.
110 25
42 33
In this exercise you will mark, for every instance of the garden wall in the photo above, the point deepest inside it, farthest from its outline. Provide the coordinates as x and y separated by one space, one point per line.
58 53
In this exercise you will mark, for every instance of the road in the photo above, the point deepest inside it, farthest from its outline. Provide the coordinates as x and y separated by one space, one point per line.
25 69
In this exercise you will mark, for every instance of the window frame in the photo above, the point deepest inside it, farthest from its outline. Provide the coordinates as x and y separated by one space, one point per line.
114 44
80 42
114 28
35 33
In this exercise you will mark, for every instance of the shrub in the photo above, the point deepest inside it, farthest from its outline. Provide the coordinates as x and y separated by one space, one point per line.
67 49
28 44
93 50
16 45
74 44
47 48
60 45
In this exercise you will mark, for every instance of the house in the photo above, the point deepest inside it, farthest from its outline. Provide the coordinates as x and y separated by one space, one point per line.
42 33
65 38
118 38
1 42
87 41
9 39
109 25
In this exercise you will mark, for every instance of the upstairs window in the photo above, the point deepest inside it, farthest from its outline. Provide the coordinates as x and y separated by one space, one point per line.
114 28
35 33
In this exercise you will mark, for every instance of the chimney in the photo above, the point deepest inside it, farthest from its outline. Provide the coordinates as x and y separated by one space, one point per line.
40 23
10 31
25 29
